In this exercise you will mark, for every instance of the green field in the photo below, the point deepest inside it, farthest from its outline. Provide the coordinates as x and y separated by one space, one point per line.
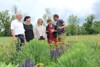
81 38
79 51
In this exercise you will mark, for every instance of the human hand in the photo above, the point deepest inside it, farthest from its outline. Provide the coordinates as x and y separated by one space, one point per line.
15 39
59 27
52 30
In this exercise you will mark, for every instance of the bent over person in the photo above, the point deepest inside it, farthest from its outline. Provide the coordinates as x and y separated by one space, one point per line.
60 28
17 30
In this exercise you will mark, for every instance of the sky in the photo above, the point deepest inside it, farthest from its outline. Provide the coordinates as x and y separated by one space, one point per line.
36 8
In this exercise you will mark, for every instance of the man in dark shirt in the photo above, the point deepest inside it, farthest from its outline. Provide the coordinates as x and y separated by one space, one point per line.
60 27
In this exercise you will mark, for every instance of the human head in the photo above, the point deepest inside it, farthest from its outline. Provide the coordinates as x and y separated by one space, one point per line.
49 21
27 19
18 16
56 17
40 21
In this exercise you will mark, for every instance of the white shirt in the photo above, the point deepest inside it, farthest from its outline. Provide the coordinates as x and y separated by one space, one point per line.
17 26
40 31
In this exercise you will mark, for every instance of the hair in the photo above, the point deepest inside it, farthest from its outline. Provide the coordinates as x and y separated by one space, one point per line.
49 20
18 13
56 15
39 20
27 17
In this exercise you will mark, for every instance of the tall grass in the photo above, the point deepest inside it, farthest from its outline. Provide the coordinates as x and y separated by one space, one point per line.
85 54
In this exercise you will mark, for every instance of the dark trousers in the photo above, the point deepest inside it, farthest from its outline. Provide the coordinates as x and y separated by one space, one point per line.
20 41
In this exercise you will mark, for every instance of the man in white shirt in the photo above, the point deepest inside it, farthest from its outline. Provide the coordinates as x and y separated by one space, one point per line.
17 29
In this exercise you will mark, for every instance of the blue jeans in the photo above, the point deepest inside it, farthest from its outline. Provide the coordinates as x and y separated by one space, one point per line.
20 41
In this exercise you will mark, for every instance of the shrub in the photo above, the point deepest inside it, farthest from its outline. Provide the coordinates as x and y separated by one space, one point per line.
7 53
37 51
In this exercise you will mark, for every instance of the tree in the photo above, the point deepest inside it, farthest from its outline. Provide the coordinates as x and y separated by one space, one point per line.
72 25
89 24
47 15
14 9
96 27
5 20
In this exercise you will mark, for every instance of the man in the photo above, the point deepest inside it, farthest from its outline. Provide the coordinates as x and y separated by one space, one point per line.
17 30
61 26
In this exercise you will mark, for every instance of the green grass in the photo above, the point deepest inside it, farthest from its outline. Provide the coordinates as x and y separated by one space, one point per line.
84 52
81 38
5 40
87 46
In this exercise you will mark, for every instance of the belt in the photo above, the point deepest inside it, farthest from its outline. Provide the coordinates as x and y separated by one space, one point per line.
19 35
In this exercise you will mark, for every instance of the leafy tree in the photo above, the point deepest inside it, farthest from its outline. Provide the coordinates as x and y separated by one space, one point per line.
96 26
47 15
83 31
72 25
89 24
14 9
5 20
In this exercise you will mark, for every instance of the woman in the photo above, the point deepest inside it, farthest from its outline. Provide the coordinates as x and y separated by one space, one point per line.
29 35
40 30
51 32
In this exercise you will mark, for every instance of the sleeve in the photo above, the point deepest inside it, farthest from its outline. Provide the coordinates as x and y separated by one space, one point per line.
45 33
23 28
35 32
12 26
62 21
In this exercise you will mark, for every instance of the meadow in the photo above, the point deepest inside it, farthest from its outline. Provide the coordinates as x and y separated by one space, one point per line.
78 51
81 38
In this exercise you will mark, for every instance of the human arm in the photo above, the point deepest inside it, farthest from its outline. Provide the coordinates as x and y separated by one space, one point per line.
64 25
13 34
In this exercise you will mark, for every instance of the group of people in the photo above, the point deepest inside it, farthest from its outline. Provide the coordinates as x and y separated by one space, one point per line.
26 32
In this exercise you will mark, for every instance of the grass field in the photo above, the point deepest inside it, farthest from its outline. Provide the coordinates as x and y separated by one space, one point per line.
81 38
80 51
5 40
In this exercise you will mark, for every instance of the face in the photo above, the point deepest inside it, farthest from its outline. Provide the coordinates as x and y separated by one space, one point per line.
28 20
55 18
40 21
19 17
50 22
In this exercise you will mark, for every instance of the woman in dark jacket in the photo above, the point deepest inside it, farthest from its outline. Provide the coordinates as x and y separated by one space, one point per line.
29 35
51 32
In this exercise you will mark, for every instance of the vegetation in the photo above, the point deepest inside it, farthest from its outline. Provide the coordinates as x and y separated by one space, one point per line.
36 51
85 54
81 51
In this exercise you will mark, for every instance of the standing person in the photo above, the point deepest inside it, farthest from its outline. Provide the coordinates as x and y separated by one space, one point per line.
29 35
51 32
60 28
17 30
40 30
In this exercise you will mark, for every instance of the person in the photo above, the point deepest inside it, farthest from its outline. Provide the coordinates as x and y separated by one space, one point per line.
51 32
60 28
40 30
17 30
29 35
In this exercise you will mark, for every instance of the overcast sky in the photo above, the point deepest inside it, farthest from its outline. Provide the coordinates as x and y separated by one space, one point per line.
35 8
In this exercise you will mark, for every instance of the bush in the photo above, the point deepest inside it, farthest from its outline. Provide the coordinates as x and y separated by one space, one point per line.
7 53
36 51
